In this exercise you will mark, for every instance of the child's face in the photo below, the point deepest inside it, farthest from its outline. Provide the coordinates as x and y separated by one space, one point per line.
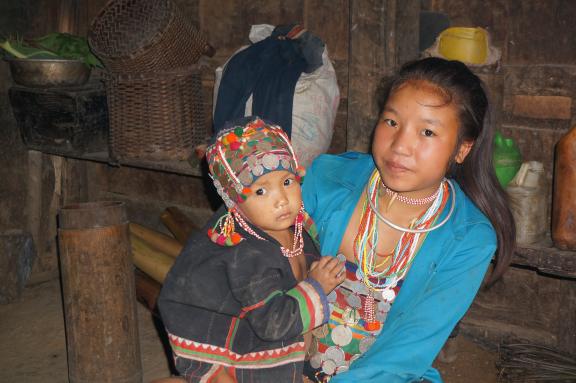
275 201
415 139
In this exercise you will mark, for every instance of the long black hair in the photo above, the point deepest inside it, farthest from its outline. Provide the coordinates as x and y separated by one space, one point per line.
476 175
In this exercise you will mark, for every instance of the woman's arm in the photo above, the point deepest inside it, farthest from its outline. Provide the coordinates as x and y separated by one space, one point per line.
408 344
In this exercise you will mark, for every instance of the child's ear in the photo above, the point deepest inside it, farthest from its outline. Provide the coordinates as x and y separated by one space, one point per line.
463 151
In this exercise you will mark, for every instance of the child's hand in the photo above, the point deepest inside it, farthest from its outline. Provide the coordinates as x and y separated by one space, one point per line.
329 272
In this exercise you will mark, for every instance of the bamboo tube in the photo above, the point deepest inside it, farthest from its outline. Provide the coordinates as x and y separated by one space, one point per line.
147 289
159 241
154 263
178 223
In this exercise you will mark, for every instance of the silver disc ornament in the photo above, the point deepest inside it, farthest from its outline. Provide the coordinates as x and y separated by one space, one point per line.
341 335
336 354
328 367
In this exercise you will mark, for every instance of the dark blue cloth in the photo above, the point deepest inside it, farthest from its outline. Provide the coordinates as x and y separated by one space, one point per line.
268 70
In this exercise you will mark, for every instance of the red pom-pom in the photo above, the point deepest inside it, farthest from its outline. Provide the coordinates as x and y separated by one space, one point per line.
221 240
236 238
246 191
235 145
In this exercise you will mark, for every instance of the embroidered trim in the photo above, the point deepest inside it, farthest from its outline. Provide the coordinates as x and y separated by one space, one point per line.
209 353
314 309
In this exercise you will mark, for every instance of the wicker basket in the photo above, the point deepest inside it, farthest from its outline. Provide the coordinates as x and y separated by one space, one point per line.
156 116
132 36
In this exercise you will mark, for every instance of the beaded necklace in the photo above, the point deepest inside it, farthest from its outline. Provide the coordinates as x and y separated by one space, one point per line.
404 252
384 281
298 242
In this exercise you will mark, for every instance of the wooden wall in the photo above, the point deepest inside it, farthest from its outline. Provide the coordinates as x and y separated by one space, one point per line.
533 90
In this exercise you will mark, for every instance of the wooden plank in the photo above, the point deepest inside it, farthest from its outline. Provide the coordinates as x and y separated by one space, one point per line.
547 260
382 37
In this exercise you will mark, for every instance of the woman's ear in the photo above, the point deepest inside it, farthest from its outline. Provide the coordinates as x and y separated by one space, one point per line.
463 151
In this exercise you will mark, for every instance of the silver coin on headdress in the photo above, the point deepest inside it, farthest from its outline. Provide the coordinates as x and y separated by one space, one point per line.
366 343
258 170
316 360
354 300
245 177
270 161
328 367
336 354
252 161
341 257
321 331
285 163
341 335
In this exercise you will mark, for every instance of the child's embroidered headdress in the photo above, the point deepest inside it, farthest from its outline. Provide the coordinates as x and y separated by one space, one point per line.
245 152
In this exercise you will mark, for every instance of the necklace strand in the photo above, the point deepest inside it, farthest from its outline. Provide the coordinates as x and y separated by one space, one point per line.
408 200
297 244
404 252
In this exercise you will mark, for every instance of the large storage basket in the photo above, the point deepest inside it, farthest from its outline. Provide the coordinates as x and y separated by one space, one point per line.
131 36
156 116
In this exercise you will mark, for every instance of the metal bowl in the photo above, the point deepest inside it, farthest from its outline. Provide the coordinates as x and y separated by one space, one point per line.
45 73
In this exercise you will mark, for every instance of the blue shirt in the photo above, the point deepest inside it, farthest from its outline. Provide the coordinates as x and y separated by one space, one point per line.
438 289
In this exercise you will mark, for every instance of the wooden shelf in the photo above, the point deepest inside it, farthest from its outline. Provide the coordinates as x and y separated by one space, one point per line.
547 259
191 168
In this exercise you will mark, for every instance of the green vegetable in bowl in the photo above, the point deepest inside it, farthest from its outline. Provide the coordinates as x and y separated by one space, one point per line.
53 45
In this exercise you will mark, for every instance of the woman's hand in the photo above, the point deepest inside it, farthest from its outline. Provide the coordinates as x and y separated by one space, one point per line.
329 272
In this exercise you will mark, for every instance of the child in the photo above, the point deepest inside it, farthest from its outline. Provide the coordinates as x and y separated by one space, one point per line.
417 220
237 301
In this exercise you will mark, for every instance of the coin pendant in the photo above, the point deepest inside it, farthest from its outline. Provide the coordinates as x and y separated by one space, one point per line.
328 367
335 354
341 335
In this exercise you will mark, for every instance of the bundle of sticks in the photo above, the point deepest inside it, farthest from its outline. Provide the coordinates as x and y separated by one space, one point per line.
153 253
521 362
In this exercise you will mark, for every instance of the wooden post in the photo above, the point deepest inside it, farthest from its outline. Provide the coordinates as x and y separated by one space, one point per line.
98 294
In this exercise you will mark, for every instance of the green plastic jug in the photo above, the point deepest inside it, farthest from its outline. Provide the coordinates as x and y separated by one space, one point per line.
507 159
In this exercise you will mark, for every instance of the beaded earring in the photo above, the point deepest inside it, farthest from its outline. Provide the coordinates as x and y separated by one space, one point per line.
223 232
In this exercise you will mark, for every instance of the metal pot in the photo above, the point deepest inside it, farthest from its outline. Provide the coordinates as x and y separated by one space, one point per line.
45 73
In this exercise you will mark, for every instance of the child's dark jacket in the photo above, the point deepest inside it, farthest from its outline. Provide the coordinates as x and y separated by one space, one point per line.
239 306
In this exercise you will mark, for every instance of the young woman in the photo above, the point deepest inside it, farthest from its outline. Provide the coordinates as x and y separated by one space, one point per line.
417 222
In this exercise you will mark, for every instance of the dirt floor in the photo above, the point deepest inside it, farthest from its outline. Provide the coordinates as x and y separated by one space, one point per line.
33 342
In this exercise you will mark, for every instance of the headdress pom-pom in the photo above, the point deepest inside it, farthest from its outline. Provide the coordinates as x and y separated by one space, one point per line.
300 173
223 233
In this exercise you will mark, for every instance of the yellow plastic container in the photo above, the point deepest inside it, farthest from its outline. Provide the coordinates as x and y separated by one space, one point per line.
468 45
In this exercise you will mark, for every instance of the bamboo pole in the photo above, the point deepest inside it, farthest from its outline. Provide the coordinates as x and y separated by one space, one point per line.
178 223
154 263
159 241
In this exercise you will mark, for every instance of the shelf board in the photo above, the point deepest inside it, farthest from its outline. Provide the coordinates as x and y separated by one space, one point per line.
178 167
547 259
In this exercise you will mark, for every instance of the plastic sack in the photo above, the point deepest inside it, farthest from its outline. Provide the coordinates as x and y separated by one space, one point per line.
315 104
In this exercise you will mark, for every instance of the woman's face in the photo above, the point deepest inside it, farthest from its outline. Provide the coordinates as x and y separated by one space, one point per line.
415 139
